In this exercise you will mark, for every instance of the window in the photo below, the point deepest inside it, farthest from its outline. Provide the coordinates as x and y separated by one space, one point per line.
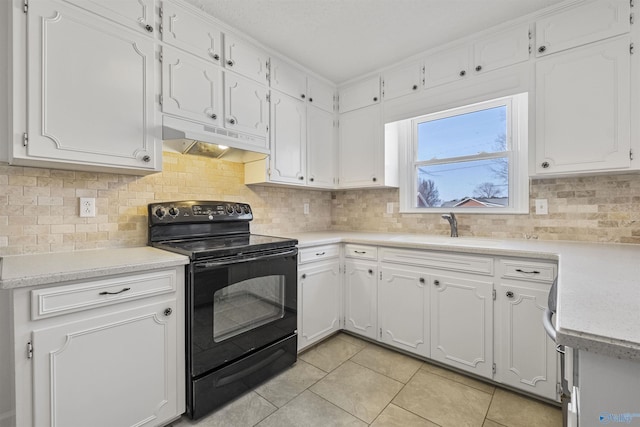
467 159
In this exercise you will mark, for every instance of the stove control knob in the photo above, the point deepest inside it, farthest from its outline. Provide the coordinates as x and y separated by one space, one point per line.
237 209
160 212
173 211
246 209
229 209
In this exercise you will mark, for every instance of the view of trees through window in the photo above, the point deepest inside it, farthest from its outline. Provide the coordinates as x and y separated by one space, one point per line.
462 159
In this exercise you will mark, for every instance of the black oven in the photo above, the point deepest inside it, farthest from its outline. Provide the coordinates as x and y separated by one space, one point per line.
241 299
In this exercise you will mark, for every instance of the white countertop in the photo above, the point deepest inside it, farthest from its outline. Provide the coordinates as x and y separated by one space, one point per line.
51 268
598 284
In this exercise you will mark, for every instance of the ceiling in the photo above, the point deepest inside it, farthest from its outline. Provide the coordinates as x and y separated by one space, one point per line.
343 39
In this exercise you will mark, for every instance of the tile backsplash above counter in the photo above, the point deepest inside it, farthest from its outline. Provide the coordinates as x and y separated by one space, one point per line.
39 207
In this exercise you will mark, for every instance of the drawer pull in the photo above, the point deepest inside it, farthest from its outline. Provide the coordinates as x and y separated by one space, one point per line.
519 270
114 293
320 253
360 252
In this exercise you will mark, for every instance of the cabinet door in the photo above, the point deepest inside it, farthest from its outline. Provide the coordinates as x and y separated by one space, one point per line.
114 370
403 308
462 323
360 95
187 30
288 79
244 58
288 139
91 90
583 109
191 88
525 355
360 148
321 148
502 49
246 107
582 24
446 66
135 14
402 81
321 301
320 94
361 298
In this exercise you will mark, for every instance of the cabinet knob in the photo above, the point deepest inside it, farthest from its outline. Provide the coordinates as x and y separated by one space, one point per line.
415 87
311 179
149 28
375 99
463 73
421 280
146 158
230 63
436 282
370 271
545 164
479 68
214 116
216 56
301 178
303 96
304 276
232 121
542 49
509 294
310 99
168 311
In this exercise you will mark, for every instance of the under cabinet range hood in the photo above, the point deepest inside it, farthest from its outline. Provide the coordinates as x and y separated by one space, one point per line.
189 137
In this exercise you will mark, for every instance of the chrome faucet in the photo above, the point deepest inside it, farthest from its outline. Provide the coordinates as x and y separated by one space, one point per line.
453 222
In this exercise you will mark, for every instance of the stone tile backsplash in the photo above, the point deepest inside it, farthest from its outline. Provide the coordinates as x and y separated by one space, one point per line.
39 207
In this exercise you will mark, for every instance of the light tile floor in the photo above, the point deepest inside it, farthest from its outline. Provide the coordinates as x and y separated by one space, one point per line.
346 381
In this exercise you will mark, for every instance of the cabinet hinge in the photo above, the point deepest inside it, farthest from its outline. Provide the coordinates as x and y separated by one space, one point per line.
530 34
494 294
161 12
380 333
529 49
269 171
493 368
29 350
631 19
630 154
160 28
25 139
25 6
631 48
160 56
381 275
160 100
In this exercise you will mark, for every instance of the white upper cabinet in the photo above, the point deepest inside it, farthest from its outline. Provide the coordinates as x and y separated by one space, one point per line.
288 148
91 93
582 24
189 31
402 81
246 107
244 58
446 66
135 14
321 148
491 52
288 79
360 95
191 88
320 94
583 109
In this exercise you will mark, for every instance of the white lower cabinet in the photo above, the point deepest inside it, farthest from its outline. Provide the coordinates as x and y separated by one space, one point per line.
319 294
101 352
361 297
462 322
403 308
526 357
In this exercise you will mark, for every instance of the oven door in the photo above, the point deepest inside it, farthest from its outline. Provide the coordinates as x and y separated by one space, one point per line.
239 305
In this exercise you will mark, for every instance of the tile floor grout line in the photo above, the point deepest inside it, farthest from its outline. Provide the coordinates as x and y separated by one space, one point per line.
342 409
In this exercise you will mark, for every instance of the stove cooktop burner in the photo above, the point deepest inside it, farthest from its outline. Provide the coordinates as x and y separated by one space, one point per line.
217 247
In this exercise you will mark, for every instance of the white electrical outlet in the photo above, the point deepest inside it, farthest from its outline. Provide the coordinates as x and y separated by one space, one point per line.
87 207
542 208
390 207
306 208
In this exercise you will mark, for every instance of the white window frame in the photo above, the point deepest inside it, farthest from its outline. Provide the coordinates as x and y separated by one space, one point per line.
517 154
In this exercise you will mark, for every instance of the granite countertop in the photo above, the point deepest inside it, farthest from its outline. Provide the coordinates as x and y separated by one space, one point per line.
598 284
51 268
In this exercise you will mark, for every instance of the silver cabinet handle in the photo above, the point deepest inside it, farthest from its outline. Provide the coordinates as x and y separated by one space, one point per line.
320 253
360 252
519 270
114 293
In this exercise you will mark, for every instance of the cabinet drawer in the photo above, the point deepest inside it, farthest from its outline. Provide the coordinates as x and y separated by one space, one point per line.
445 261
360 251
55 301
318 253
528 270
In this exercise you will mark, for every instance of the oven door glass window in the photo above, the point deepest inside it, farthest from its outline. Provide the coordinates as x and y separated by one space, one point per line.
247 305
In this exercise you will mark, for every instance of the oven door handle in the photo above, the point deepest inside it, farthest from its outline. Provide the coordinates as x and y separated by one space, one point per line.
231 261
